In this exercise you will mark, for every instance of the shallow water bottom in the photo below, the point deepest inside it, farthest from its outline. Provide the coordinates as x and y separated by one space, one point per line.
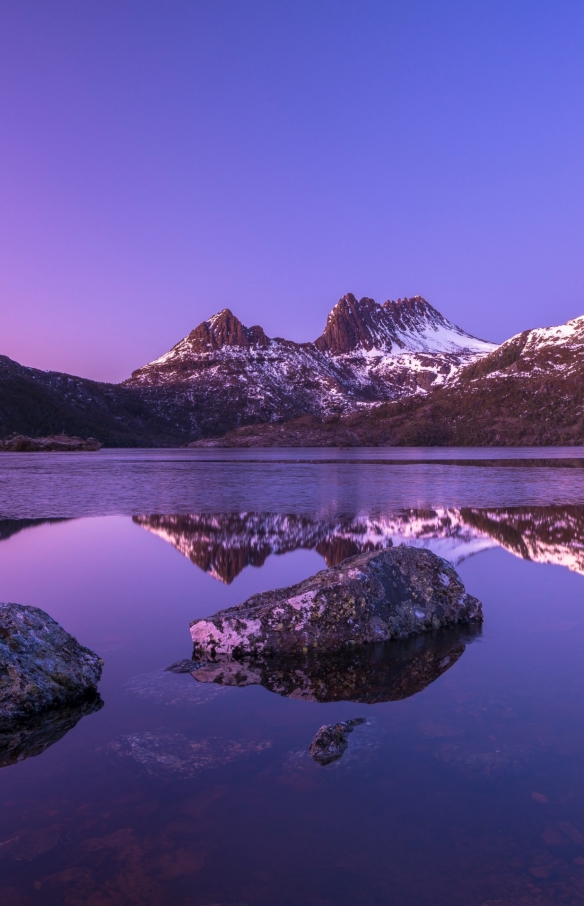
470 791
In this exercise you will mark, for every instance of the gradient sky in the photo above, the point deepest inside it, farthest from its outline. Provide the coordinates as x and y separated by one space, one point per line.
162 160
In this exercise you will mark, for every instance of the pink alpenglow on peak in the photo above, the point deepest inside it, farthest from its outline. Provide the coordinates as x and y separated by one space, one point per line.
235 375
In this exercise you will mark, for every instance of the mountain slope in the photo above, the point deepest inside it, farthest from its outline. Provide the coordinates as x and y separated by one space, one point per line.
543 352
530 390
38 403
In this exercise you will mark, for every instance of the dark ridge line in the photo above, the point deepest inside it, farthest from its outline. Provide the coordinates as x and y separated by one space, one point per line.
573 463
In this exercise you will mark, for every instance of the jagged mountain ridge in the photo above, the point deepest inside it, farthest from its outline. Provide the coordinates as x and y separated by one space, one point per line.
408 325
391 374
224 544
225 372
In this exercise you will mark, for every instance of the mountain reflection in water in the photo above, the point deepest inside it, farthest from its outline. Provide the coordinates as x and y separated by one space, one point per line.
370 674
10 527
223 544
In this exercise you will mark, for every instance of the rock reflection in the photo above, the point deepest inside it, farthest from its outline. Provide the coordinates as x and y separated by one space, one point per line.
20 739
368 675
224 544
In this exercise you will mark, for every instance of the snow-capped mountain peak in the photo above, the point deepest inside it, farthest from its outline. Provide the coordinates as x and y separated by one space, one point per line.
421 328
408 325
224 374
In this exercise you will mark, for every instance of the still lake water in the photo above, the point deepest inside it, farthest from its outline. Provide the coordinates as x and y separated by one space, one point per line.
468 790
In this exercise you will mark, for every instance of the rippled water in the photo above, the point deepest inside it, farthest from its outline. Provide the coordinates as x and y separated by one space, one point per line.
463 786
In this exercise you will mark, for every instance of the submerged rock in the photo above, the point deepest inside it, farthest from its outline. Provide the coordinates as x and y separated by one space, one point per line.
330 742
372 597
22 738
168 752
386 671
41 665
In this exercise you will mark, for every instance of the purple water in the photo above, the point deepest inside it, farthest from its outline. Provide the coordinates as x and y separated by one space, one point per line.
470 791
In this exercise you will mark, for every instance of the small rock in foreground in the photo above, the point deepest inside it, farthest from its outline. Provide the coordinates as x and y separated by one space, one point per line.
41 665
330 742
56 443
372 597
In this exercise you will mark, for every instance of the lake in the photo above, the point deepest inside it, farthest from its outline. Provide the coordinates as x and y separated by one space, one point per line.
465 783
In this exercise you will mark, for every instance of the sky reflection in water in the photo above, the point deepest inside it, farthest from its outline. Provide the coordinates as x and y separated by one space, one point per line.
469 791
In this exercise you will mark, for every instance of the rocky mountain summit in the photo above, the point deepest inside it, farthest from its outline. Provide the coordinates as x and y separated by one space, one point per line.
226 374
408 325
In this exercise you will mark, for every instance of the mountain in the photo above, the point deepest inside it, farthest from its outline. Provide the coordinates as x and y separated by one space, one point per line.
408 325
527 391
224 374
397 374
546 352
223 545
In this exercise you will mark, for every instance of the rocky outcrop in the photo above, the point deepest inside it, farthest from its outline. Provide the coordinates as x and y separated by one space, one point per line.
369 598
55 443
41 665
330 742
368 674
408 325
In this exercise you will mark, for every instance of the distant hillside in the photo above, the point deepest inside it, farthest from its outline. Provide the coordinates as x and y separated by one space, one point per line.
38 403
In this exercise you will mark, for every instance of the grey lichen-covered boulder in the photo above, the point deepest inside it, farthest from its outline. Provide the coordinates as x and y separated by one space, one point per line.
372 597
41 665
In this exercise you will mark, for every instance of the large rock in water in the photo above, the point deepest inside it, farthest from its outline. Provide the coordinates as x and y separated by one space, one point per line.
372 597
41 665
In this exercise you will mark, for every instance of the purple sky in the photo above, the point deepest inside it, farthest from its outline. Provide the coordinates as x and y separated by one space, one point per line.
162 160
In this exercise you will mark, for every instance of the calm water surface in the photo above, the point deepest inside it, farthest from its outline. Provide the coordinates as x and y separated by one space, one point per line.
464 786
